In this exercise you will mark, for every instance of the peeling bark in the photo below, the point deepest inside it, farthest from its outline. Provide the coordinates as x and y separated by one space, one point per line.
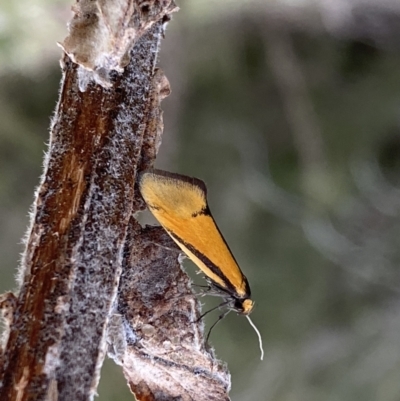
160 341
102 32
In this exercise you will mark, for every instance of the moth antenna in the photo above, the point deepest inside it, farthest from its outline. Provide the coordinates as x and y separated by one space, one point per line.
259 337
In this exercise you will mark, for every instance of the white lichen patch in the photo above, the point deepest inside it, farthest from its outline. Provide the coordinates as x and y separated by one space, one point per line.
52 360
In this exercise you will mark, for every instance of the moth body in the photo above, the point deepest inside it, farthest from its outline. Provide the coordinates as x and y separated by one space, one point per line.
179 203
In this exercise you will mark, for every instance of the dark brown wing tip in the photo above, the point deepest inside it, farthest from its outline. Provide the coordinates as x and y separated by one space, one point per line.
175 176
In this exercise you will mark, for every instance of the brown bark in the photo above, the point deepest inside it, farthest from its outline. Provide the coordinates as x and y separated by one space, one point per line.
107 126
156 335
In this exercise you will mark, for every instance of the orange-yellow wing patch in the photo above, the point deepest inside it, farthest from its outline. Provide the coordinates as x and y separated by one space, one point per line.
179 203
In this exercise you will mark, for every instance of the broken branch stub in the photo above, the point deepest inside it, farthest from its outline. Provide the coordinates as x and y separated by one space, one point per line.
156 335
102 32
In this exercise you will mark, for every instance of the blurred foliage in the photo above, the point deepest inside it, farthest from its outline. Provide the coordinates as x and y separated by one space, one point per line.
318 239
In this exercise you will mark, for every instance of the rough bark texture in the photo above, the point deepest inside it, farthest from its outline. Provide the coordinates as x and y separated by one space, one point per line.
72 262
107 125
156 335
102 32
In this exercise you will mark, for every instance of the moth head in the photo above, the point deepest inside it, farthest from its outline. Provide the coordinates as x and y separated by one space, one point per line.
243 306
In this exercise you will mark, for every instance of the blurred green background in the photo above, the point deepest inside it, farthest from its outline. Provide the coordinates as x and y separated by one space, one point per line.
290 112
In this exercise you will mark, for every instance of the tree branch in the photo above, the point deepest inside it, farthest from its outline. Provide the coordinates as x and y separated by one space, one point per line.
72 262
107 126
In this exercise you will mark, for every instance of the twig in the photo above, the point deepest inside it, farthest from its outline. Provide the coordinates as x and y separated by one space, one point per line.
71 266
